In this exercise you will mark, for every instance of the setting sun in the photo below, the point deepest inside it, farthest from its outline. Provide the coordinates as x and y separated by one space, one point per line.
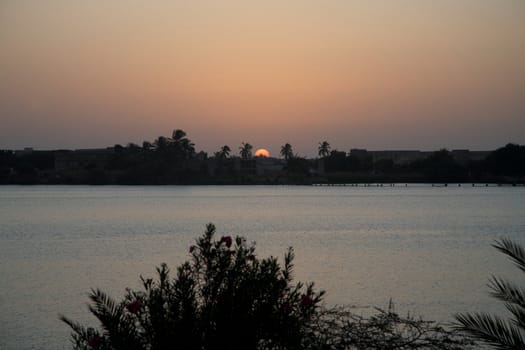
261 152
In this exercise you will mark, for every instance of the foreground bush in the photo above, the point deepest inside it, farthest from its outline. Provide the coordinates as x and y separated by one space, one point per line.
342 329
224 297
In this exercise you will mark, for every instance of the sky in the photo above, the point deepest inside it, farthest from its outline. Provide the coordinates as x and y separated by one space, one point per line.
404 74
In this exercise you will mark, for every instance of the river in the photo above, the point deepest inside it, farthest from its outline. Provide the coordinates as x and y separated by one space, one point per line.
426 248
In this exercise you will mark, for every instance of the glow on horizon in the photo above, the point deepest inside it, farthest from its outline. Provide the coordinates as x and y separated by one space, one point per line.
262 152
411 74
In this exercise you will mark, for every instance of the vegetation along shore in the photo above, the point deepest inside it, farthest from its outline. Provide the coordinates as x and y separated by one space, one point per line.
175 160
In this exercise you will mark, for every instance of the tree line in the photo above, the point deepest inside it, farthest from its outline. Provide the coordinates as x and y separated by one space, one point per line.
175 160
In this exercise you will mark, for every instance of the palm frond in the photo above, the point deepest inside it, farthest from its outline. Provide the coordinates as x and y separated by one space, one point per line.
81 335
75 326
491 330
104 304
108 312
120 328
512 250
519 315
506 291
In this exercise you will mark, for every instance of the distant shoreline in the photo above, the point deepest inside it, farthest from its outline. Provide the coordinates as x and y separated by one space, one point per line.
358 185
173 164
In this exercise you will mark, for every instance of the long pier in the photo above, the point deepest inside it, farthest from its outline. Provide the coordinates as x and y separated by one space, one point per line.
417 184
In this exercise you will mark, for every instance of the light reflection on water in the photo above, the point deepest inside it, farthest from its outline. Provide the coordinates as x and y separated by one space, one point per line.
426 248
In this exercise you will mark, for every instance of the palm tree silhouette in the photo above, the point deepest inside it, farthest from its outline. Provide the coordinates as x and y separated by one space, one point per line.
245 150
224 152
324 149
182 146
178 134
286 151
491 329
161 143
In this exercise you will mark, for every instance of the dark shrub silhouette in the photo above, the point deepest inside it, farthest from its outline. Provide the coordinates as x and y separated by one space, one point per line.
223 298
341 328
440 166
508 160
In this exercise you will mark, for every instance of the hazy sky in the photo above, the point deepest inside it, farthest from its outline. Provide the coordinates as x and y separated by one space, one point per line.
403 74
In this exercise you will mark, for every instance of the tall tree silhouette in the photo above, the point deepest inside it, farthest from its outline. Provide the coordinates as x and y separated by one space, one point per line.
287 151
245 150
324 149
508 160
224 152
181 146
161 143
178 134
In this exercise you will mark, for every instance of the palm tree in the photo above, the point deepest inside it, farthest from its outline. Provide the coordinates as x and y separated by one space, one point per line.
161 143
287 152
245 150
188 148
224 152
181 145
178 134
324 149
491 329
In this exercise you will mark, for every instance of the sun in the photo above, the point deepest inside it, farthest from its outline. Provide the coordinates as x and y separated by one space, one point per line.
261 152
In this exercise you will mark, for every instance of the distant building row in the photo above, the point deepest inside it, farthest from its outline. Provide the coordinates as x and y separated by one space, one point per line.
402 157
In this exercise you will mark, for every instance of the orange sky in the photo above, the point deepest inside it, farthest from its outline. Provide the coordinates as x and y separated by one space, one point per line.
406 74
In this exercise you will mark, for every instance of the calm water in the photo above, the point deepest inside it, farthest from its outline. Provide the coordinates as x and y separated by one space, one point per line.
426 248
